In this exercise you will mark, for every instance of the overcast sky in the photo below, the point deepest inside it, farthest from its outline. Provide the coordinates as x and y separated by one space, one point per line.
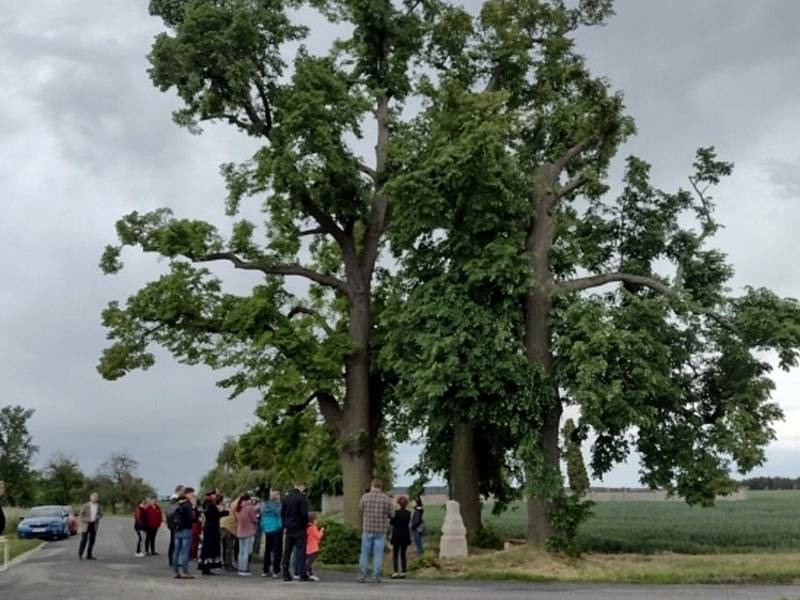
85 138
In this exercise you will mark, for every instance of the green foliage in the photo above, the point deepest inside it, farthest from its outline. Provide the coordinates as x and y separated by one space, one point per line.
118 484
61 482
16 454
341 544
567 513
576 469
489 537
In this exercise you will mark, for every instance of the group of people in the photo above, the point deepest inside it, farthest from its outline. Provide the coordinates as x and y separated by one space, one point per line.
147 520
224 535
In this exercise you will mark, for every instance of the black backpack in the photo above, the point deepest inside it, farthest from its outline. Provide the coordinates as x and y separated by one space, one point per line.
175 519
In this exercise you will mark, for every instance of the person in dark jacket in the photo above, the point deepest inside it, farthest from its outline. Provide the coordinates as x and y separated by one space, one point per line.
173 506
183 534
401 538
2 514
294 515
418 525
140 527
211 553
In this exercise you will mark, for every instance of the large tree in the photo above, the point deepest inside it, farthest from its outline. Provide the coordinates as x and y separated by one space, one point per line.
325 208
453 331
62 481
16 455
627 315
118 482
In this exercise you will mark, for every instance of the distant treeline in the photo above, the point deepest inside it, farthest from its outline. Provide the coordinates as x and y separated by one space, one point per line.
772 483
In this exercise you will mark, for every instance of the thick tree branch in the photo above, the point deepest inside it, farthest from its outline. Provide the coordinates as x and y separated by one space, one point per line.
572 185
574 152
364 168
303 310
262 94
377 215
328 406
585 283
313 231
268 269
325 220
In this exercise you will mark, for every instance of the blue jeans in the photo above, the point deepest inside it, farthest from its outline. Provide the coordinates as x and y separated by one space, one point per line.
245 549
418 541
180 554
371 543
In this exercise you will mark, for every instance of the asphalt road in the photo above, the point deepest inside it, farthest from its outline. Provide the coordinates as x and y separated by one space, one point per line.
54 573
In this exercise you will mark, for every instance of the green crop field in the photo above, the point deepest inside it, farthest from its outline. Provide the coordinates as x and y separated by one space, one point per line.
765 522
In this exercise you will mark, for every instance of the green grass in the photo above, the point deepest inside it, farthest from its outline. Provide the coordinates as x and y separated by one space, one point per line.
16 545
765 522
526 564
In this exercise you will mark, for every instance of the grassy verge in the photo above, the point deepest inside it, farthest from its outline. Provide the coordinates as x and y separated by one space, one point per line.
524 564
18 546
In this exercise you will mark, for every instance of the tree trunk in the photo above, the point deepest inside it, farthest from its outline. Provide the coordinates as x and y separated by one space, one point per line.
538 345
356 431
356 477
464 476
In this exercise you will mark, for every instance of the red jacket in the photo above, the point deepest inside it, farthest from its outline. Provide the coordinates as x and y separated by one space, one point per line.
154 517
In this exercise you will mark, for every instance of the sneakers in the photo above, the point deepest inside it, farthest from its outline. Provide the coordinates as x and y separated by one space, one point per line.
376 580
245 574
275 576
296 578
361 580
139 555
265 574
313 578
395 576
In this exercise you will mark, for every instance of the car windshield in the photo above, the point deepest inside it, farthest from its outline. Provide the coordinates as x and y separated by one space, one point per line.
41 512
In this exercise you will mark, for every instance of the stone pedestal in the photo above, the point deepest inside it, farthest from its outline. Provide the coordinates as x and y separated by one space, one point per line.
454 534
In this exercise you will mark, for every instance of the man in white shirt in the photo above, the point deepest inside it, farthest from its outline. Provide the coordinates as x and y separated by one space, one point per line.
91 513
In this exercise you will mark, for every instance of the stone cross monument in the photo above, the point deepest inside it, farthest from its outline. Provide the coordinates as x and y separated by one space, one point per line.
454 534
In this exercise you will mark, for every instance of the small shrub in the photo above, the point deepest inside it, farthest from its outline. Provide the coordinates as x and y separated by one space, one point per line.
427 561
489 537
340 546
566 515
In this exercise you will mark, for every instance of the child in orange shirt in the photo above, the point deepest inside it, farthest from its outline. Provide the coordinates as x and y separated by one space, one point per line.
313 538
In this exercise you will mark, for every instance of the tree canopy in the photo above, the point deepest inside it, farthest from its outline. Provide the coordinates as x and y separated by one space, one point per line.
16 455
522 284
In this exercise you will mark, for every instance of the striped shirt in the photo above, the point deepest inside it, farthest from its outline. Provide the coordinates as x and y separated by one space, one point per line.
376 508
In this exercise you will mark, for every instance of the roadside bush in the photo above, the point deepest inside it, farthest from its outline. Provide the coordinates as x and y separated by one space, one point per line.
427 561
340 546
489 537
567 514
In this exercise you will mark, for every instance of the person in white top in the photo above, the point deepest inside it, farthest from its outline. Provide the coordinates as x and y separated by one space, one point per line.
91 513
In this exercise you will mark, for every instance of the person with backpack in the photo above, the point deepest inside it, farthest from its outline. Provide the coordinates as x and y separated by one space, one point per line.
182 522
418 525
173 506
272 526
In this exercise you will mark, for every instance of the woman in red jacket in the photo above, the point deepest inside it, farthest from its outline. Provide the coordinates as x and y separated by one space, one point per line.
154 519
